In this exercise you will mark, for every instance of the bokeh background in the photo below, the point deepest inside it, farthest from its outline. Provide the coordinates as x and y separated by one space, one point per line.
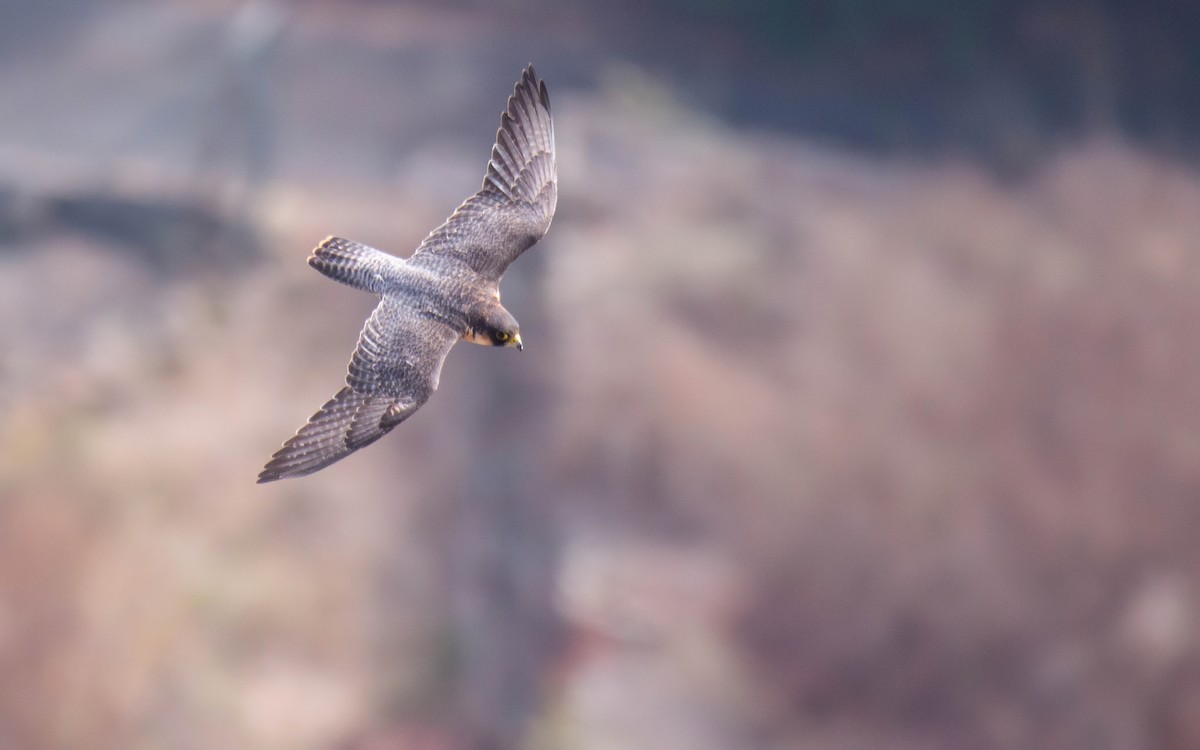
860 406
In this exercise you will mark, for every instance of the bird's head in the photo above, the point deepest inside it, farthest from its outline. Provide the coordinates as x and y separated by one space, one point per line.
497 327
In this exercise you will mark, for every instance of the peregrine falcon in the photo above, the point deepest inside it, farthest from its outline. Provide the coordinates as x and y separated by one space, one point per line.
449 289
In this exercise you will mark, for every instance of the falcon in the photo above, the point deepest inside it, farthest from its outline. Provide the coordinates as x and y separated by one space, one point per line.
447 291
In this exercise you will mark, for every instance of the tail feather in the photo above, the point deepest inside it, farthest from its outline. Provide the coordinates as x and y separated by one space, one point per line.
347 422
352 263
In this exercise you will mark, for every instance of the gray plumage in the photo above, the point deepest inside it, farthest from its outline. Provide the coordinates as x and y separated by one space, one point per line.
448 290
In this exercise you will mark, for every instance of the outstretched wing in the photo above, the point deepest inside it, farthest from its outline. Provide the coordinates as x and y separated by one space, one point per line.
520 191
394 370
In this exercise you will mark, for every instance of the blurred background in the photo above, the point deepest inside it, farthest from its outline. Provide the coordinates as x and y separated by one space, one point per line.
860 405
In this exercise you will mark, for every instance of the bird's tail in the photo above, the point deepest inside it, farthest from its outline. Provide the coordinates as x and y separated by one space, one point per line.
352 263
347 422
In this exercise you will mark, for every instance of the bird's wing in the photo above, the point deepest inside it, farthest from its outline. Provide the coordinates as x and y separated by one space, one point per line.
394 370
520 191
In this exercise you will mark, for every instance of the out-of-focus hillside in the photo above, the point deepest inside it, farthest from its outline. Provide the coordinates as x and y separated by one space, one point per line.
944 427
807 448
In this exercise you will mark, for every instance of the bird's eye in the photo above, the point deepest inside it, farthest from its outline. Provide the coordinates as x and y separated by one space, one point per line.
501 336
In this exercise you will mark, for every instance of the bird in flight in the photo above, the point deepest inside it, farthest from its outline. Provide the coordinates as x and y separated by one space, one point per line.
449 289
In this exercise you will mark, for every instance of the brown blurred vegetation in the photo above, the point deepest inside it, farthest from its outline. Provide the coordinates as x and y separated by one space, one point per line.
809 447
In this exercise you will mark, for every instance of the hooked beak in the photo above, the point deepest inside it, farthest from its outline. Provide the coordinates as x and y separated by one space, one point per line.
517 343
